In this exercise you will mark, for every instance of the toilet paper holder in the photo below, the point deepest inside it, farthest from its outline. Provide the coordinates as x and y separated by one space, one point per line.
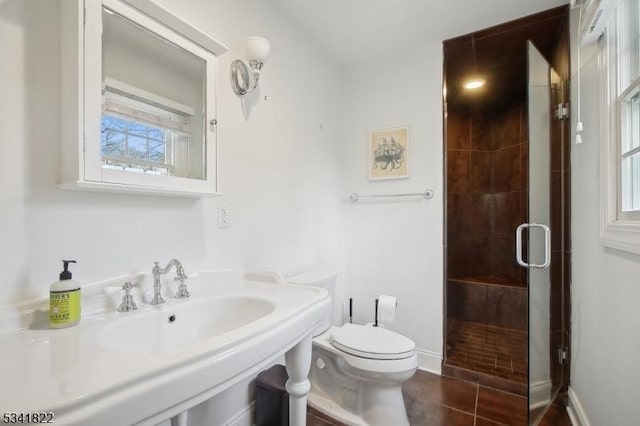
375 324
377 302
386 307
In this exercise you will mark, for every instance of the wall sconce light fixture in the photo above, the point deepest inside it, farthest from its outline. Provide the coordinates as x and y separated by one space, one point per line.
256 51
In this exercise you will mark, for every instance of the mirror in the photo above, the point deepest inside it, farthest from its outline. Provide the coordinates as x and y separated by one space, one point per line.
140 111
153 105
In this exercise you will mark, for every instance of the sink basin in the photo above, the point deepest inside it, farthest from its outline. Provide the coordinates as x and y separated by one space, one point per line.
172 328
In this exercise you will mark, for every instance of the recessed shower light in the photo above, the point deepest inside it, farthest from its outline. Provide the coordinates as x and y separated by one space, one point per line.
476 83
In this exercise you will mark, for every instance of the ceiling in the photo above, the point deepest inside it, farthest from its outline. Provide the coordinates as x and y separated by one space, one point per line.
354 31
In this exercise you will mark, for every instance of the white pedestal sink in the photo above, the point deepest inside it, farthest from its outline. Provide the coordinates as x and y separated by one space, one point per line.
145 366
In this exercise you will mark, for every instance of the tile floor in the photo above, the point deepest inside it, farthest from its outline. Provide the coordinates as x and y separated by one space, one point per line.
433 400
497 351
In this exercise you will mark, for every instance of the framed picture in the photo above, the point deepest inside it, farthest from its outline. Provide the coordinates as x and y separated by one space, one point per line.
389 152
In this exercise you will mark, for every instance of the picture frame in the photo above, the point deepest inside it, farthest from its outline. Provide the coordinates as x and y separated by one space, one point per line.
389 152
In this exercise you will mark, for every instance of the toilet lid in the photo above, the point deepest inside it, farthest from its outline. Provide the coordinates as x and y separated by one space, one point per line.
372 342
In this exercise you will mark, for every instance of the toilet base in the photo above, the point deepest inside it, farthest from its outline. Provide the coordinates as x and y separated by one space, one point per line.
333 410
355 396
378 415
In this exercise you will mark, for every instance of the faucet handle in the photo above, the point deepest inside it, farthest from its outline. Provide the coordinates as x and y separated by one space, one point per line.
128 286
180 271
182 292
128 304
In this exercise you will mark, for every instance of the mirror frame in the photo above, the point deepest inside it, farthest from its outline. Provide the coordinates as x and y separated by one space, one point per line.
81 103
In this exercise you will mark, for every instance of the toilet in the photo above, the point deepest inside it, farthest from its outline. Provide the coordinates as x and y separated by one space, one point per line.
357 371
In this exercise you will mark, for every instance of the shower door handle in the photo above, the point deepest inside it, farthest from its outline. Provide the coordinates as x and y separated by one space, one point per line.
547 246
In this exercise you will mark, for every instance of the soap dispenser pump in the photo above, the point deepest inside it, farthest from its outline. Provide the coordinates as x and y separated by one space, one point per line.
64 300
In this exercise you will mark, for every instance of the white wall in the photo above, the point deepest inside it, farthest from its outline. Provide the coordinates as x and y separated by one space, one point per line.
395 247
277 165
605 288
287 164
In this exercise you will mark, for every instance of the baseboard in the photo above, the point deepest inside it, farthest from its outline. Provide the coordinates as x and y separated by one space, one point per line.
576 413
244 417
429 361
540 394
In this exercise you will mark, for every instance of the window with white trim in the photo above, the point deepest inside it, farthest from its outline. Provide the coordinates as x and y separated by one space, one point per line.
629 154
619 60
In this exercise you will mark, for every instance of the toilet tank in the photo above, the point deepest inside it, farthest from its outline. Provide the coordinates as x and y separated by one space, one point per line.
326 280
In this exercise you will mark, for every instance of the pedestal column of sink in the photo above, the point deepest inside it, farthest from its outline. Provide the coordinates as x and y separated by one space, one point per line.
298 360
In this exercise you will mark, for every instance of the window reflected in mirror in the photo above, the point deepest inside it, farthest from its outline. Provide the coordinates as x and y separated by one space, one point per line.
153 103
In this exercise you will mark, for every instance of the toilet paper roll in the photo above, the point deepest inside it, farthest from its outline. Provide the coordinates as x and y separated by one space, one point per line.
386 308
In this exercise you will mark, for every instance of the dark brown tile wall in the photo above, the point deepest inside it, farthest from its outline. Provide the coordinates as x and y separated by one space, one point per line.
458 171
508 213
506 169
481 172
487 303
487 169
486 185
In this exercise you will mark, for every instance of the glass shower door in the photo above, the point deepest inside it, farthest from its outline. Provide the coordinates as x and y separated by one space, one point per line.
533 239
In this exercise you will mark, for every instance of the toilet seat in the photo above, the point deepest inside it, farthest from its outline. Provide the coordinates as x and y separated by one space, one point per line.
371 342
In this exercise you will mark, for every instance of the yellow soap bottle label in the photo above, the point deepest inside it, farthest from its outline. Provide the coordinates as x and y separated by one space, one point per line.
64 307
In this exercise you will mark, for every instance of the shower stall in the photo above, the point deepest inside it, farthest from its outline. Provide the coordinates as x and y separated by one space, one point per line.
507 169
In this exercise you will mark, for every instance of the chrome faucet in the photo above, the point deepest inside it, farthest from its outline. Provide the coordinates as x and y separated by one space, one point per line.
182 292
128 304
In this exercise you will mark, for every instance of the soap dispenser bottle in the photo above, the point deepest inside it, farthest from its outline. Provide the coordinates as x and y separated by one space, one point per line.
64 300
